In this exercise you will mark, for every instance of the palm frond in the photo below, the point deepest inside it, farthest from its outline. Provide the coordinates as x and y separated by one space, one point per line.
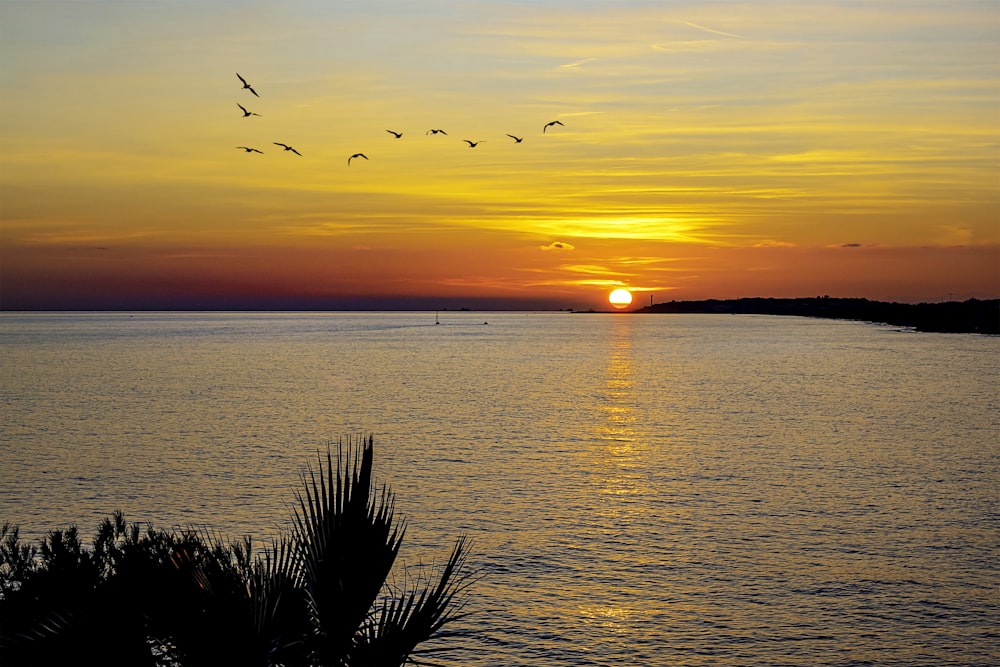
415 616
278 606
347 543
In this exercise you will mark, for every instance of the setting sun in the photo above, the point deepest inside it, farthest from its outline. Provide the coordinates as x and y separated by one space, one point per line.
620 298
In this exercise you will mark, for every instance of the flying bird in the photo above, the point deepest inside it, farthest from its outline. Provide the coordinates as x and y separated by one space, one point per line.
246 85
473 144
548 125
395 134
245 112
250 150
436 132
354 156
287 148
517 140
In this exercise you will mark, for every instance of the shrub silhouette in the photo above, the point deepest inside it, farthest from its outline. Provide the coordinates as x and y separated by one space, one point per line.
319 595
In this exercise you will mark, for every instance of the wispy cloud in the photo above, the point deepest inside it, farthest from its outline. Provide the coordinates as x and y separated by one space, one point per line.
721 33
588 269
557 245
651 264
685 46
578 63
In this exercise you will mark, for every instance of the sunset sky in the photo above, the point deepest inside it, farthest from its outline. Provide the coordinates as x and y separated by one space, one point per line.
707 150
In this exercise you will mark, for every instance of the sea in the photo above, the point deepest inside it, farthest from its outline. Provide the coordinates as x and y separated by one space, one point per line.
644 490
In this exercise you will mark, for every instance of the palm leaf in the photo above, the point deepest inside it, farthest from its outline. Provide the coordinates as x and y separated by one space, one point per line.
278 607
413 617
347 544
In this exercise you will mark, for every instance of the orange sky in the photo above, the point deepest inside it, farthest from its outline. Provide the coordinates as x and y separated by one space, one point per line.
708 150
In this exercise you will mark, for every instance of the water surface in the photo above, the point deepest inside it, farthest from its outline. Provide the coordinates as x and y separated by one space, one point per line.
640 490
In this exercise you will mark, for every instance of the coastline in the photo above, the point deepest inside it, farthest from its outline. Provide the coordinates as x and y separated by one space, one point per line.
972 316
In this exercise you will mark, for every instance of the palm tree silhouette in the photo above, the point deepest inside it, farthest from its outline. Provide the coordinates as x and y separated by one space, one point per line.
316 596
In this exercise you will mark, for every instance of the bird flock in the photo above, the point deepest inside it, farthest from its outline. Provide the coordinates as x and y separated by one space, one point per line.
397 135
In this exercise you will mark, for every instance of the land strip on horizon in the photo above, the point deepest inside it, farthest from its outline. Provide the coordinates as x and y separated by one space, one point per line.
971 316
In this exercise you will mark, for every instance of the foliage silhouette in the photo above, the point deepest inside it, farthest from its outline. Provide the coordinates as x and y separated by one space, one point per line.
320 595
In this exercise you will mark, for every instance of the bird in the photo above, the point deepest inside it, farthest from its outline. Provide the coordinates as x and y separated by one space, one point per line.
548 125
436 132
287 148
250 150
245 112
395 134
517 140
354 156
473 144
246 85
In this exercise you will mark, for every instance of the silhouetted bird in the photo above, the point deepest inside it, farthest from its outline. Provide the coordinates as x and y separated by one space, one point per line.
250 150
246 85
354 156
548 125
473 144
436 132
395 134
517 140
245 112
287 148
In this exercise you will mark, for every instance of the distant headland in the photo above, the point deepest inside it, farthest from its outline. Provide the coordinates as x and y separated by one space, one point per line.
972 316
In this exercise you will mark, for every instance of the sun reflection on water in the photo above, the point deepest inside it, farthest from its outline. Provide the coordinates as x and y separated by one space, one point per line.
618 429
612 618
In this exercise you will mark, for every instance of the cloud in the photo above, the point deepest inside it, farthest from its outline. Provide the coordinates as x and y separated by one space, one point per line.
557 245
588 269
774 244
712 31
687 46
578 63
695 45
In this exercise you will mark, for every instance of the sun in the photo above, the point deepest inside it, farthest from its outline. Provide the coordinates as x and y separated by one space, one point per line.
620 298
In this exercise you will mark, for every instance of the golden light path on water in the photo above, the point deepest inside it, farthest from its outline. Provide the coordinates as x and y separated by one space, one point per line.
619 456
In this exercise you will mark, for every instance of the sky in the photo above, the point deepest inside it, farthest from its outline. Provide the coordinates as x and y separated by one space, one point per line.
707 150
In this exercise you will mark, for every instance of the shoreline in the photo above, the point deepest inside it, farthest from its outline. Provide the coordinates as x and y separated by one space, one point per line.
971 316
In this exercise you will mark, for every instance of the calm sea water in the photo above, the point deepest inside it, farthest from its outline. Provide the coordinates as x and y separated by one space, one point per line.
640 490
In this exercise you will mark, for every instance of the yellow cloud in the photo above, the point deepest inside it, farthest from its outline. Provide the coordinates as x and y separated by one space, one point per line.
775 244
578 63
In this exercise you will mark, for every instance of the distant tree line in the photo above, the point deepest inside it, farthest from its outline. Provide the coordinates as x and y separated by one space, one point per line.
972 316
320 595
